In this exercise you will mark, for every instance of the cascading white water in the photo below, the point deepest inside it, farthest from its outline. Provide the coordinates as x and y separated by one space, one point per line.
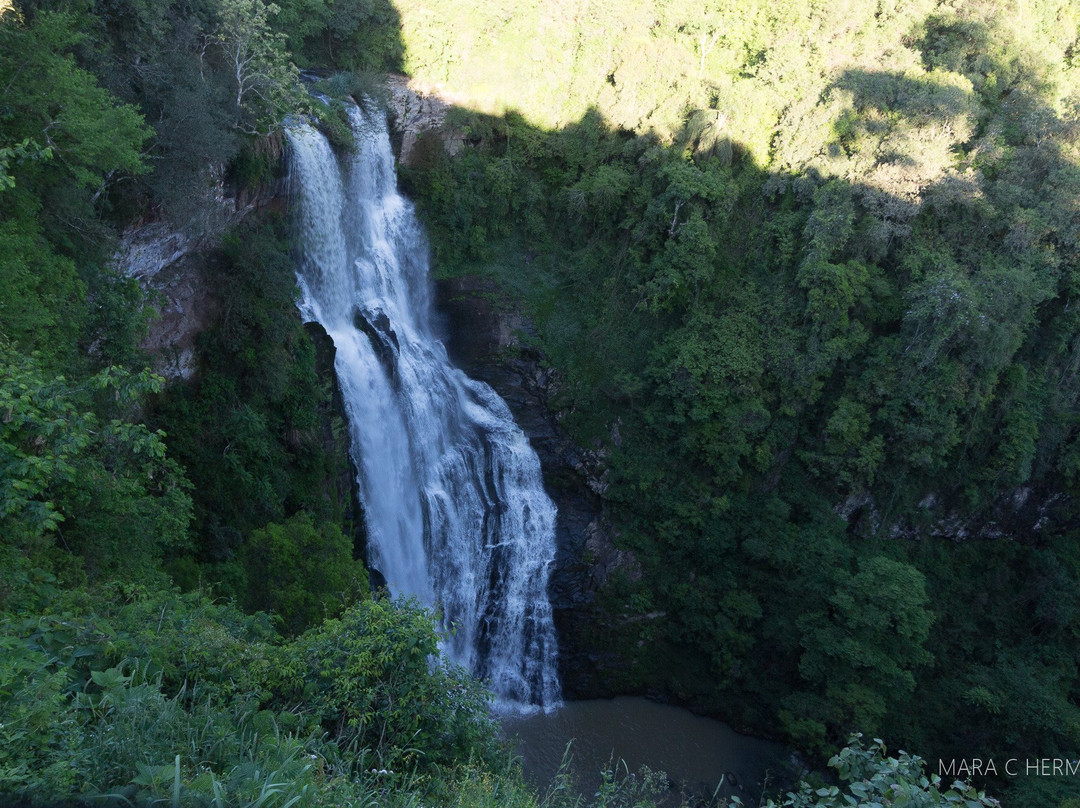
455 507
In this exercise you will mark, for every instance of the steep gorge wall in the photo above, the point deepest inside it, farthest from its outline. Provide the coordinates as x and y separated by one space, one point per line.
487 337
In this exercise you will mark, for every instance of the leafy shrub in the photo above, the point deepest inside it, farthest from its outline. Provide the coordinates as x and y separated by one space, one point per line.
64 460
375 674
301 572
872 779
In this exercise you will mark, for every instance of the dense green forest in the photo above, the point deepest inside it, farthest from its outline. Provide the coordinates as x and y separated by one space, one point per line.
115 688
804 271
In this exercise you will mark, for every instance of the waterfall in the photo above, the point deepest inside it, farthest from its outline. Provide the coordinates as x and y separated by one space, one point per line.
453 498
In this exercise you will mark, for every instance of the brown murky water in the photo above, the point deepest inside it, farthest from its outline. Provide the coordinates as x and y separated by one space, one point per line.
697 754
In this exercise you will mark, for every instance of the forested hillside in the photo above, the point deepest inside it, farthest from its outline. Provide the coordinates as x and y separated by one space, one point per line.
807 273
804 272
115 688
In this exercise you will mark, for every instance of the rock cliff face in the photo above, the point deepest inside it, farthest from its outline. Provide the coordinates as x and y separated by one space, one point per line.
488 338
419 111
184 300
170 264
1023 514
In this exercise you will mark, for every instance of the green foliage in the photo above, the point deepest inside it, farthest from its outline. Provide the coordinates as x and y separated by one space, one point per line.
130 694
26 150
43 294
619 788
370 669
207 77
121 501
357 35
265 81
301 571
861 651
32 721
871 779
65 142
333 121
83 481
59 107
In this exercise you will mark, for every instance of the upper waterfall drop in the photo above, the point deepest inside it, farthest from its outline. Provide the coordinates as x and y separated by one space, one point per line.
453 497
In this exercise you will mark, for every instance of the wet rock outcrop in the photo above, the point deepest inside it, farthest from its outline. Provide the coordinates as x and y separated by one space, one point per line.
1026 514
334 424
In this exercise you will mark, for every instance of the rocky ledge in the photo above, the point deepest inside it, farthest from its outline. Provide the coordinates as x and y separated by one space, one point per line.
418 110
169 262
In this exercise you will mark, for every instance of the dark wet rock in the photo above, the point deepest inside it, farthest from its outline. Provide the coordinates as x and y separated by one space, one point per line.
334 424
492 341
382 338
1024 514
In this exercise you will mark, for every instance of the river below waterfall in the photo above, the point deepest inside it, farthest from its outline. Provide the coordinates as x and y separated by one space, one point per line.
693 751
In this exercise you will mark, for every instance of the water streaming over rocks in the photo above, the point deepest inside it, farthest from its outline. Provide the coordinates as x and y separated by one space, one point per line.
455 507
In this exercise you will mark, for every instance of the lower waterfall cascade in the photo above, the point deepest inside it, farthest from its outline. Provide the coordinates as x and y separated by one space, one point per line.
455 508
